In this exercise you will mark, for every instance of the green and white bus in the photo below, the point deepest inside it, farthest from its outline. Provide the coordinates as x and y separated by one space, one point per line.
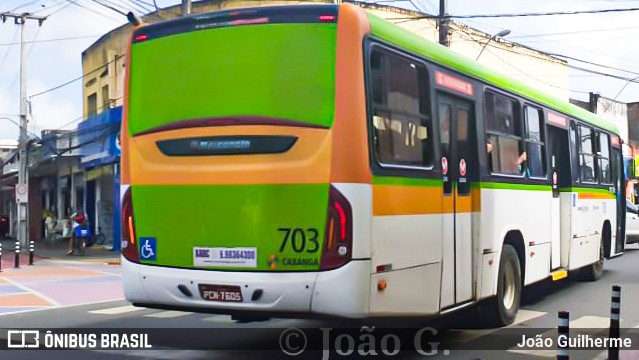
316 160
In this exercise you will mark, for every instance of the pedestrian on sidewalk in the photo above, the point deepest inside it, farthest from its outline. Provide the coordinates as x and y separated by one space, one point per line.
49 228
77 219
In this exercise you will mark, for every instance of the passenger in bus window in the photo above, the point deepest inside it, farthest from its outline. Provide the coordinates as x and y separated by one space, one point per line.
511 166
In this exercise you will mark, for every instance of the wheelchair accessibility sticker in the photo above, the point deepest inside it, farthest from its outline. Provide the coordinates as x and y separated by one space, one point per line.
147 248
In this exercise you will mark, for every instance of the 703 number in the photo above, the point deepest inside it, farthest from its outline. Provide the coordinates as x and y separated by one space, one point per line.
298 239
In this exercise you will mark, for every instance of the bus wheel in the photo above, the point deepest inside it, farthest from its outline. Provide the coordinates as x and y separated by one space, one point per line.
503 308
595 270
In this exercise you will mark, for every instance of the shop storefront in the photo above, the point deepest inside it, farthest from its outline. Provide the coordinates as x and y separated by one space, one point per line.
99 158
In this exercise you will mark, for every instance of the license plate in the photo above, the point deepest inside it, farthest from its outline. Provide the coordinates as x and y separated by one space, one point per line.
221 293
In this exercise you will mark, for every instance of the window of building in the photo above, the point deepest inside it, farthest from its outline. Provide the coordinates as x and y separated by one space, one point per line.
535 151
603 156
503 134
92 104
401 114
586 155
106 101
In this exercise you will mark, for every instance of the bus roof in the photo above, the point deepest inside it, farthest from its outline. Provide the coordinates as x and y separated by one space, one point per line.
399 36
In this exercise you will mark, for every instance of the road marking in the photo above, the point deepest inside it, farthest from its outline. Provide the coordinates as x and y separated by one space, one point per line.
79 266
168 314
61 307
34 292
117 310
590 322
522 316
220 319
538 353
525 315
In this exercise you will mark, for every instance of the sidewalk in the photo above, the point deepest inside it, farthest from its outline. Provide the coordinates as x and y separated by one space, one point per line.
56 280
55 251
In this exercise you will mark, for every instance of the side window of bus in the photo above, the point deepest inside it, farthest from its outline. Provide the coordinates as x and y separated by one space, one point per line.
503 134
401 113
574 151
586 155
536 155
603 156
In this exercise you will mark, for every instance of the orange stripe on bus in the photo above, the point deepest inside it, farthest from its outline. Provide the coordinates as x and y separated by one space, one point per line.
414 200
308 161
406 200
476 199
349 162
595 196
464 204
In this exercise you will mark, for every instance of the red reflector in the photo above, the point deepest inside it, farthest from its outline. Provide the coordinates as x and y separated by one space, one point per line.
327 18
342 220
141 37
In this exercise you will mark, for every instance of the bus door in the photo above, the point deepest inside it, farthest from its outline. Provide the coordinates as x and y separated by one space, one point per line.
560 176
459 171
619 179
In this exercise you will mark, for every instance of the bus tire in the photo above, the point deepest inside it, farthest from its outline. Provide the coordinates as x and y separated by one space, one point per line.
502 309
594 271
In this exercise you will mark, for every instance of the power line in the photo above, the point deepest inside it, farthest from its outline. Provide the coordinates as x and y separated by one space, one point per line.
9 49
76 79
136 4
82 117
569 65
24 5
557 43
86 8
109 7
144 2
65 5
550 13
570 58
521 71
572 32
51 40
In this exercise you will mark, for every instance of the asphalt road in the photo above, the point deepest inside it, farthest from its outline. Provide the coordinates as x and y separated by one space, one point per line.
587 302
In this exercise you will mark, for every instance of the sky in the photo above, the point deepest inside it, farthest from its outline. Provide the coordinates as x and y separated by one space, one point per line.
603 38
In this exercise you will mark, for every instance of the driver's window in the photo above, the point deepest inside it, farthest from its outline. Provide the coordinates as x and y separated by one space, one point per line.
631 208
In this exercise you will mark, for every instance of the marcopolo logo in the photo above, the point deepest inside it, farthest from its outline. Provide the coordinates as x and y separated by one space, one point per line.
203 145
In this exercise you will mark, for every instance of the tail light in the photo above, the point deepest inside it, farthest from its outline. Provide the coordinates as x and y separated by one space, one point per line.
129 240
338 241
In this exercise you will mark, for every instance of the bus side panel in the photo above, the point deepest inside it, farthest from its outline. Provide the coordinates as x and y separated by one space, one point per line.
410 291
589 212
406 238
505 210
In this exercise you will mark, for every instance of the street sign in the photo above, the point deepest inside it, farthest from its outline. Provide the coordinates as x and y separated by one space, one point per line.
22 193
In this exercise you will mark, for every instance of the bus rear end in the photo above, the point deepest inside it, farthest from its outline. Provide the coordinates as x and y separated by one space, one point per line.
228 204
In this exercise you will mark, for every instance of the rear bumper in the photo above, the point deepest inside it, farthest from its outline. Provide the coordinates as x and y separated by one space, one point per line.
342 292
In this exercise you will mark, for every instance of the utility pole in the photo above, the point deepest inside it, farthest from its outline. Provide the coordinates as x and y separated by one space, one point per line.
443 23
186 7
22 192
